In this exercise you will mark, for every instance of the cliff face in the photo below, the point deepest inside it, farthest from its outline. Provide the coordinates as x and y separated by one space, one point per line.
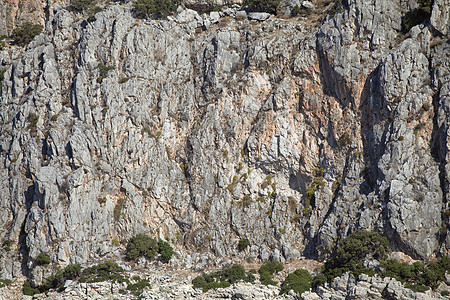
14 12
207 129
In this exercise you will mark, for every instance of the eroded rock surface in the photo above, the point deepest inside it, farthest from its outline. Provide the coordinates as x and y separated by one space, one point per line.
206 129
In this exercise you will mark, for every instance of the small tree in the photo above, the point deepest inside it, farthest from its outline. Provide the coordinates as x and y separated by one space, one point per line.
267 270
223 278
26 33
165 250
243 244
418 15
156 8
81 5
142 245
42 259
269 6
298 281
352 251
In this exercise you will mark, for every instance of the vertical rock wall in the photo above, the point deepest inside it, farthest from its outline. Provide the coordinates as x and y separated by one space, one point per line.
205 130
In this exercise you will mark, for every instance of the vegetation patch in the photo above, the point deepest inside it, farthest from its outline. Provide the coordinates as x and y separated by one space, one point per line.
42 259
154 8
269 6
103 70
81 5
243 244
310 193
267 270
417 16
165 250
2 76
25 34
7 243
118 209
299 281
417 276
55 281
345 140
107 271
103 272
141 245
138 286
32 122
351 253
223 278
361 245
5 282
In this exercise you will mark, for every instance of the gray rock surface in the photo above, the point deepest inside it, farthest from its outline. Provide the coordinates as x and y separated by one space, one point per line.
365 287
440 16
206 129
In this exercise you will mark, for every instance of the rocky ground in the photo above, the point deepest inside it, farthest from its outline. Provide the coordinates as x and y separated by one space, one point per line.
177 285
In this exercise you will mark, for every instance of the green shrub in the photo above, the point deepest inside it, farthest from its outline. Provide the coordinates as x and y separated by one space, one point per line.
72 271
361 245
345 139
28 290
337 7
200 282
296 10
319 280
138 286
2 75
310 192
7 243
436 272
417 287
32 121
223 278
234 274
267 270
142 245
417 277
269 6
352 250
165 250
416 274
154 8
103 70
108 270
102 272
81 5
243 244
26 33
118 209
42 259
417 16
4 282
299 281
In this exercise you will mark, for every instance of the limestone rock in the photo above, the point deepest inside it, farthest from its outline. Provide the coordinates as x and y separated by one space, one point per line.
440 16
206 129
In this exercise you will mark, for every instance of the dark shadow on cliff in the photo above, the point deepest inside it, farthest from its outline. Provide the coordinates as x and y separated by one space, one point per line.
373 112
22 245
333 84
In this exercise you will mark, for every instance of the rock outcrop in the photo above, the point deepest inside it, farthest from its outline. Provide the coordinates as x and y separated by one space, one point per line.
365 287
206 129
